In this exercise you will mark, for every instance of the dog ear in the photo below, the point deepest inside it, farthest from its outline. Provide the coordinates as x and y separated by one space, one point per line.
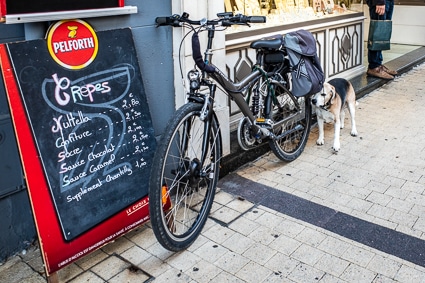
333 95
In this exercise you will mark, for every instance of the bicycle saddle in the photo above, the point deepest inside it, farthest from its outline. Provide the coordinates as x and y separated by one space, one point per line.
272 42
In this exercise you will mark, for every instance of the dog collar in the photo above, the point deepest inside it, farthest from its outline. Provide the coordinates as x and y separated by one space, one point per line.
326 106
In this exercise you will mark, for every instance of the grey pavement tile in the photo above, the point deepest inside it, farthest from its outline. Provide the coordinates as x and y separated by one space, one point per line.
223 198
254 213
110 267
183 260
290 228
403 218
263 235
218 233
17 271
332 265
420 225
253 272
380 211
410 274
118 246
91 259
305 273
130 276
173 275
270 220
311 236
203 271
154 266
285 245
135 255
360 205
231 262
307 254
383 279
159 251
211 251
328 278
69 272
200 241
225 214
400 205
240 205
238 243
87 276
379 198
225 277
384 265
358 255
334 246
281 264
142 237
243 225
259 253
358 274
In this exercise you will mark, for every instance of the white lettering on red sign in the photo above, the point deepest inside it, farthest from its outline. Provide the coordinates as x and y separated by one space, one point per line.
73 45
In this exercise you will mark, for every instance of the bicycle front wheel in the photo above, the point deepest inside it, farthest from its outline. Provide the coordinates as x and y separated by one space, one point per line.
184 177
295 131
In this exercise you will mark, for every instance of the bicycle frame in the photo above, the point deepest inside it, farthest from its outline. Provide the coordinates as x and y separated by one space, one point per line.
235 90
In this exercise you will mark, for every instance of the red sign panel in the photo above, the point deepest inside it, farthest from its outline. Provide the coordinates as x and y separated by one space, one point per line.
85 137
72 44
30 6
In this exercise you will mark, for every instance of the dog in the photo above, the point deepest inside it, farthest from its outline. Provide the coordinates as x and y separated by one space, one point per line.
330 105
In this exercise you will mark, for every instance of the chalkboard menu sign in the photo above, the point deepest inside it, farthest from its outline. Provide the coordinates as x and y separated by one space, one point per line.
29 6
91 125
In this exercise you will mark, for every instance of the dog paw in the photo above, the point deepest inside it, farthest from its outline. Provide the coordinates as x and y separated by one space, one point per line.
320 142
354 133
336 147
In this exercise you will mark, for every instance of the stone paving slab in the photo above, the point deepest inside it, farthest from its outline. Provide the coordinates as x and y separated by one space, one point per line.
377 178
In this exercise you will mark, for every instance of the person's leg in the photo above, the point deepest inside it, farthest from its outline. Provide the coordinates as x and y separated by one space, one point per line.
389 9
374 57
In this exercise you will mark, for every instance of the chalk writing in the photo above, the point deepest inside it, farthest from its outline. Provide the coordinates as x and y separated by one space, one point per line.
91 126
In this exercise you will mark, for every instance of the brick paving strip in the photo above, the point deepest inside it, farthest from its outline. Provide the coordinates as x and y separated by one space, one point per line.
375 236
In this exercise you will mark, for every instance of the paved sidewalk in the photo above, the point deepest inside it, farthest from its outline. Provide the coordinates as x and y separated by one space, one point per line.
355 216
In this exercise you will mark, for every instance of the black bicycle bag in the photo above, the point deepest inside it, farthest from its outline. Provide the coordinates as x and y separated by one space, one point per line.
307 73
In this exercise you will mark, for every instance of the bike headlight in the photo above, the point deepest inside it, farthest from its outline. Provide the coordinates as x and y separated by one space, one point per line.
194 79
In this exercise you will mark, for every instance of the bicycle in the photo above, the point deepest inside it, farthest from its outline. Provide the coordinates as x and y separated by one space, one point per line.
186 165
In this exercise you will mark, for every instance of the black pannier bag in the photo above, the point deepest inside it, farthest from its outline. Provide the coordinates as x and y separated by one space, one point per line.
307 73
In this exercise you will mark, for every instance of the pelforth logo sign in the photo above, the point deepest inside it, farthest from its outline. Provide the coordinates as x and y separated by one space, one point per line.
72 44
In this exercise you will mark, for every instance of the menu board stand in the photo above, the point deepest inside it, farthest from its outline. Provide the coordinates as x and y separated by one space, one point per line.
85 137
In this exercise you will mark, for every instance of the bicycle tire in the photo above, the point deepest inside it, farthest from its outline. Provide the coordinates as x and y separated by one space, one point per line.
290 146
179 210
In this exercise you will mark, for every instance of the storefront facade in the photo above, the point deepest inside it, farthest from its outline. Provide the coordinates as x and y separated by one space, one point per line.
339 35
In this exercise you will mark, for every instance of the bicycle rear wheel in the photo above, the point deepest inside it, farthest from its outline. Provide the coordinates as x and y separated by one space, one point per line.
181 188
297 128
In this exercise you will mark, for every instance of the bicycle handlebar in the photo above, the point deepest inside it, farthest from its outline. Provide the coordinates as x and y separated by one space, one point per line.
225 19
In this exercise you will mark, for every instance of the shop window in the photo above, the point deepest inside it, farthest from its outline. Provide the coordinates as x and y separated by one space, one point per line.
293 11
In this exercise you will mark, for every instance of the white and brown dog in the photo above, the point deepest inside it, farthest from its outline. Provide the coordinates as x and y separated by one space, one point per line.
330 108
